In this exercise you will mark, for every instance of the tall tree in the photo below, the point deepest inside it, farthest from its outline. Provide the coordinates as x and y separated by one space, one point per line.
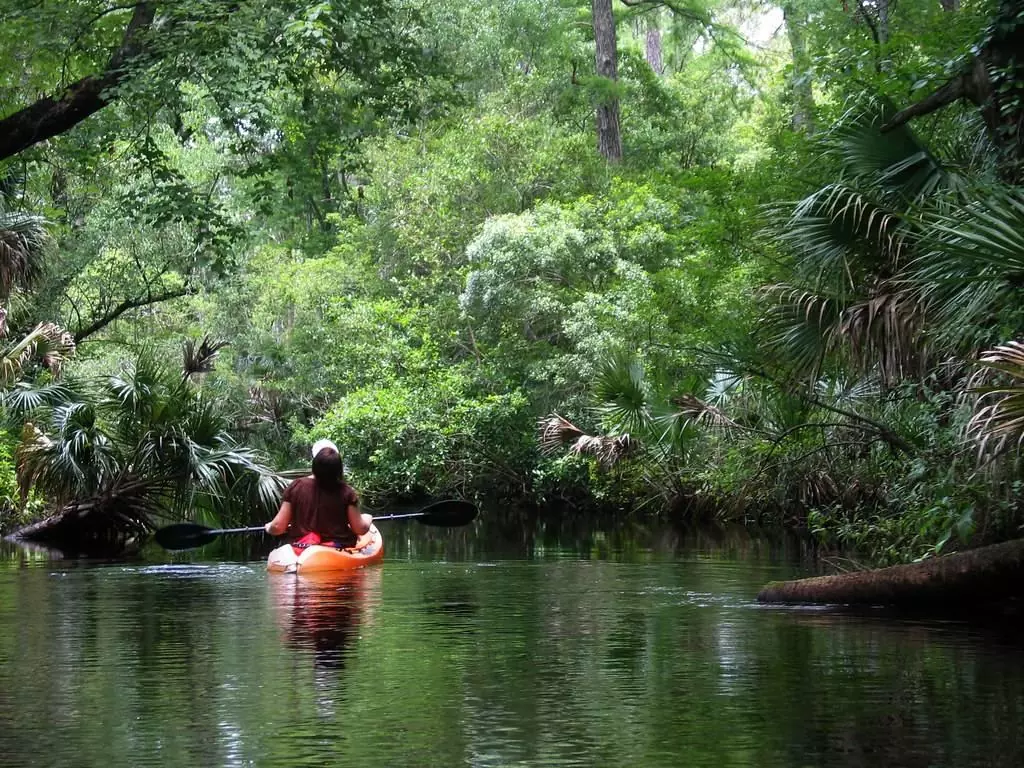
609 139
653 44
50 116
795 18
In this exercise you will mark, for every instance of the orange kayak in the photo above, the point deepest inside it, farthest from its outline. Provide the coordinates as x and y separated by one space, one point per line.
368 550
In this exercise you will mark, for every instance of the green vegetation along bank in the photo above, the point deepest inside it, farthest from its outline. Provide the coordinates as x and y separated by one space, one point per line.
716 260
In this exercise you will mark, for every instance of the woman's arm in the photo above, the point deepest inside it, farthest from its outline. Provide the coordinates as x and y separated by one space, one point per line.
281 520
357 521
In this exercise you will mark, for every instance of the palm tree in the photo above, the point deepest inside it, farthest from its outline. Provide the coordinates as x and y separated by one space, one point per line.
903 263
660 426
146 445
143 445
850 302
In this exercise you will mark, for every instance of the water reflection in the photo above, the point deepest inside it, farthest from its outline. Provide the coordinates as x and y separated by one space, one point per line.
324 613
450 597
639 659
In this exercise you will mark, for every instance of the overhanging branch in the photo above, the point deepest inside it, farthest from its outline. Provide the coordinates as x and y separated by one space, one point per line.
53 115
125 306
947 94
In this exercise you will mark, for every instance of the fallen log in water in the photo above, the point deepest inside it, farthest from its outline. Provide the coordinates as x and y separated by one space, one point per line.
983 575
90 529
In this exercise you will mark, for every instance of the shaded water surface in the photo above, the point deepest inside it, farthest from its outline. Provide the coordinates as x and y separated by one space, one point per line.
603 651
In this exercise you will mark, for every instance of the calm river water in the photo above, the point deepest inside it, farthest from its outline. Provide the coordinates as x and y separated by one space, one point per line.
637 649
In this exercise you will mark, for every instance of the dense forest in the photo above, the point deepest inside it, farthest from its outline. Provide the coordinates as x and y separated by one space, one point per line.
713 259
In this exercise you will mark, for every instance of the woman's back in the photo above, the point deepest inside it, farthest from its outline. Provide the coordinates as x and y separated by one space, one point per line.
322 509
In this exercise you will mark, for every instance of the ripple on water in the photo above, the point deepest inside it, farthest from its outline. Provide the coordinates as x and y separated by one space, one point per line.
218 571
678 596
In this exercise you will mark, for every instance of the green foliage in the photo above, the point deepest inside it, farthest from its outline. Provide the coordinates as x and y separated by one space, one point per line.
397 214
432 436
688 116
431 194
527 270
609 272
9 495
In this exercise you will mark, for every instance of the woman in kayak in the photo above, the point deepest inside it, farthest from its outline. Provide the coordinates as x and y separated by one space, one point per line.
321 508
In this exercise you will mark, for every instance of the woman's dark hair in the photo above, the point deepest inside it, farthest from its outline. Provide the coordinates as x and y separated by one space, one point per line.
328 468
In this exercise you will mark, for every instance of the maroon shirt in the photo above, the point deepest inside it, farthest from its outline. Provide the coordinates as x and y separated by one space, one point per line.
320 511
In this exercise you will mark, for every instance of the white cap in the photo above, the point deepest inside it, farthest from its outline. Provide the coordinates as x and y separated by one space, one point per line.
319 445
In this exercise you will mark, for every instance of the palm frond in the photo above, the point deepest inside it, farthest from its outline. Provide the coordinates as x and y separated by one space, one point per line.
896 162
973 254
623 395
798 324
48 342
885 332
25 398
675 430
836 231
74 462
980 239
881 331
246 482
608 450
54 345
198 357
557 431
723 386
998 421
135 389
23 245
849 391
204 423
702 413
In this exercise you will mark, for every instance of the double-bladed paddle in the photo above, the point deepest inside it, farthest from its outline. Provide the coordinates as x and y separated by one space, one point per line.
448 514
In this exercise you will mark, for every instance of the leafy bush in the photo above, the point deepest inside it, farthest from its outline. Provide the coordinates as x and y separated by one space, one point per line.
9 494
431 436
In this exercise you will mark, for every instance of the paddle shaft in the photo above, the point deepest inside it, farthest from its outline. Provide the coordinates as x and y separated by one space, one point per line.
261 528
398 517
256 528
189 535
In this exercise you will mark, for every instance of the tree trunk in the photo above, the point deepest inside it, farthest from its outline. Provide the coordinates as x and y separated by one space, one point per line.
883 22
652 49
950 5
800 82
609 141
52 116
964 579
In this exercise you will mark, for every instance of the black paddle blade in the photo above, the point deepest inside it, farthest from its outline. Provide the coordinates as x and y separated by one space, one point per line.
448 513
184 536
